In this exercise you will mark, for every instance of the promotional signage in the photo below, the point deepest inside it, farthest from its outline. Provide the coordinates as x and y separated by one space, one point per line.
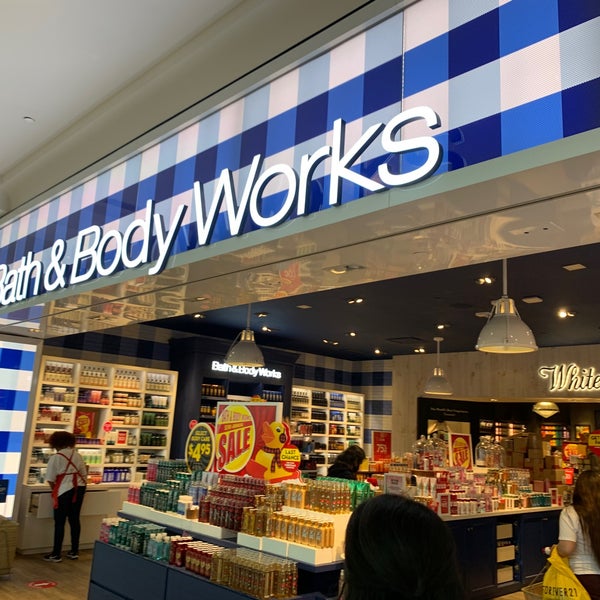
460 450
570 378
252 439
99 253
200 447
594 442
382 445
262 372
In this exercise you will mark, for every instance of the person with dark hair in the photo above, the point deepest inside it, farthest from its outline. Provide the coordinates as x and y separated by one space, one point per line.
347 463
399 549
579 532
67 476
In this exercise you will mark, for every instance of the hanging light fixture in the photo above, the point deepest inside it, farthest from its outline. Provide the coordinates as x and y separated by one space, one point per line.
243 351
545 408
505 332
437 384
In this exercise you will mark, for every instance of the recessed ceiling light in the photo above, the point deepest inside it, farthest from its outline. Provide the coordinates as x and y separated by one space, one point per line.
198 316
574 267
266 329
563 313
532 299
341 269
485 280
262 315
420 350
303 306
483 314
355 300
441 326
330 342
352 333
377 351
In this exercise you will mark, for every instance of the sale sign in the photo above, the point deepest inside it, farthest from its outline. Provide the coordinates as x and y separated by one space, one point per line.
461 452
382 445
252 439
200 447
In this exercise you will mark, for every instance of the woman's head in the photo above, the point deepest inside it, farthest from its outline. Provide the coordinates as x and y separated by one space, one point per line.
352 456
587 489
61 439
397 548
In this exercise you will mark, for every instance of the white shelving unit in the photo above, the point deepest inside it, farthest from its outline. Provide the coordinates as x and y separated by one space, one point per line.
122 416
326 420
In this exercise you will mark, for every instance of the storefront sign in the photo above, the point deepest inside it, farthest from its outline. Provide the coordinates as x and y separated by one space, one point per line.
263 372
100 252
570 378
252 439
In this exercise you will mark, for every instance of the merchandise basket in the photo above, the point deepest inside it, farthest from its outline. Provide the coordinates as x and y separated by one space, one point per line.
8 544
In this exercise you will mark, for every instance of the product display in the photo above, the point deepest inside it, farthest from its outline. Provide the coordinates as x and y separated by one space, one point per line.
121 416
323 423
254 573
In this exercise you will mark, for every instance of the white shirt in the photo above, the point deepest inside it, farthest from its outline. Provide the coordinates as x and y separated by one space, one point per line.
59 464
582 561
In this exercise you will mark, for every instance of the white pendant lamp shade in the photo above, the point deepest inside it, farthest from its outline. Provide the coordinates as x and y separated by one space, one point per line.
437 384
243 351
545 408
505 332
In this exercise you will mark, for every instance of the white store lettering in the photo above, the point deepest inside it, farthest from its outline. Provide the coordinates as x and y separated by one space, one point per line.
570 378
100 253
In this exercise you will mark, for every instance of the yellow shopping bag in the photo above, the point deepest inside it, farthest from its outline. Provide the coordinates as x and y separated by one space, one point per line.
560 583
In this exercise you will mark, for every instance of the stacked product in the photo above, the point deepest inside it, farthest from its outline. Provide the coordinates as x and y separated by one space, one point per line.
254 573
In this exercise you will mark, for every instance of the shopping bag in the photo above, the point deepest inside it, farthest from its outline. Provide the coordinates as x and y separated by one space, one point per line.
560 582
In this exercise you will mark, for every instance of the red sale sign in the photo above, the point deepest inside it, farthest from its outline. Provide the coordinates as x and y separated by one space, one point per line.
382 445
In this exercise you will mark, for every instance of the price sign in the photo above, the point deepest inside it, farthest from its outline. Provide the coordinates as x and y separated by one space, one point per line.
200 447
594 442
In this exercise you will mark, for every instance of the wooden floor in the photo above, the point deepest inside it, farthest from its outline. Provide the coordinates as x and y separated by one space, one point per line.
70 576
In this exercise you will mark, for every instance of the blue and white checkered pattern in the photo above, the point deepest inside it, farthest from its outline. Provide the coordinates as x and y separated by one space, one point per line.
503 75
17 361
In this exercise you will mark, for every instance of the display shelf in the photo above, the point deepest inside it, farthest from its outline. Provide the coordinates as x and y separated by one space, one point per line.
327 421
123 408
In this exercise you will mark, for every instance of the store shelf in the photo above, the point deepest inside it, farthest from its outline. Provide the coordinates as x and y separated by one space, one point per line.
117 406
326 422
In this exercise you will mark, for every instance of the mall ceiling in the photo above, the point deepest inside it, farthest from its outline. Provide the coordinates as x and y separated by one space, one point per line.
399 316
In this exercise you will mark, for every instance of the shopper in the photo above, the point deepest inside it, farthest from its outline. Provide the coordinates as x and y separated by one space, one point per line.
399 549
67 475
347 463
579 532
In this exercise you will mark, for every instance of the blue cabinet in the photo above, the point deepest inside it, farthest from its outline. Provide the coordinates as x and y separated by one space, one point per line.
535 532
484 555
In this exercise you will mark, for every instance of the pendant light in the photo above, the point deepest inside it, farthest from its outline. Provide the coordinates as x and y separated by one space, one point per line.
437 384
243 351
505 332
545 408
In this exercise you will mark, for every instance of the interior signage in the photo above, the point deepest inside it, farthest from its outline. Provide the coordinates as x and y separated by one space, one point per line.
570 378
98 252
222 367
